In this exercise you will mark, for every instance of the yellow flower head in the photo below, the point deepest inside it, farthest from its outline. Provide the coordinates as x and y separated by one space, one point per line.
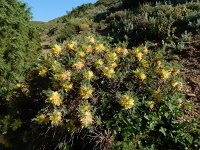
140 74
111 56
165 74
72 46
86 119
85 108
151 104
121 51
126 101
81 54
145 49
56 118
56 49
55 99
43 71
90 39
118 49
42 119
124 52
67 86
66 75
55 65
98 63
144 64
138 55
87 48
18 85
78 65
86 92
112 65
88 75
108 72
99 48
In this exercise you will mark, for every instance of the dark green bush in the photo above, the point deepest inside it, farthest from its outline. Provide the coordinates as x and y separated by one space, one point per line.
19 43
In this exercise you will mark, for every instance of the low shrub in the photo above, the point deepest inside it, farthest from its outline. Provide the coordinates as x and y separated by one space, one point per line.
90 94
157 22
19 44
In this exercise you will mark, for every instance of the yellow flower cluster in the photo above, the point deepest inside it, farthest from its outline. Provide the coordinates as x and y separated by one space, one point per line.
144 64
55 65
108 72
98 63
42 119
67 86
66 76
137 54
126 101
165 74
112 65
56 118
72 45
151 104
86 118
121 51
55 98
99 48
56 49
43 71
87 48
140 74
78 65
144 49
81 54
86 92
90 39
88 75
111 56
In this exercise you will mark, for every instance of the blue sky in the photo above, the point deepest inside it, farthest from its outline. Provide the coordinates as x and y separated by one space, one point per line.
46 10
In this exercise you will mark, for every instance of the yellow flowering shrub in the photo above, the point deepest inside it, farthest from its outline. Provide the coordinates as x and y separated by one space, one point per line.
116 92
56 49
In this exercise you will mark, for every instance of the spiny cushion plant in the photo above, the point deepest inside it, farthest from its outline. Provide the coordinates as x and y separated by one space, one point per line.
90 94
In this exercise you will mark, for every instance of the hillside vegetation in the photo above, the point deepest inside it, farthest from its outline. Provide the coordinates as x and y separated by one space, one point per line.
117 74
